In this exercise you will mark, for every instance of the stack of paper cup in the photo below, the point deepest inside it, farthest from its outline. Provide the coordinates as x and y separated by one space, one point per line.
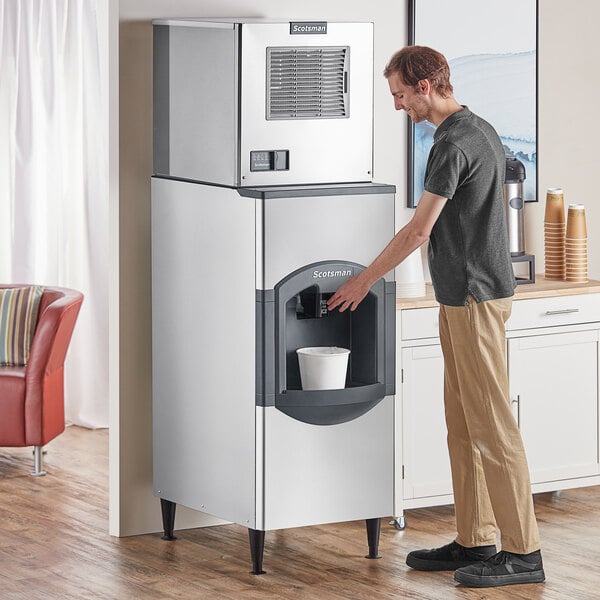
554 234
410 281
576 244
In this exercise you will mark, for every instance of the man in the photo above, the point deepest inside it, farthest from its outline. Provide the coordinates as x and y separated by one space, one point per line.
461 212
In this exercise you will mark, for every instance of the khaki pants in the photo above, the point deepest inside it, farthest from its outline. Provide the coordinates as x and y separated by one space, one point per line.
490 475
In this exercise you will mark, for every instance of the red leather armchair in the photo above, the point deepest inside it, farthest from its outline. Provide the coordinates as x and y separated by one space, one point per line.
32 397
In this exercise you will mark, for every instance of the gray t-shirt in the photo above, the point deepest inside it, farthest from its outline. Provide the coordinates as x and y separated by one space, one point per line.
468 246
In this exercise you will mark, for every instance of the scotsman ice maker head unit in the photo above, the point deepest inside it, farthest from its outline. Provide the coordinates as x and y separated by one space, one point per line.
254 102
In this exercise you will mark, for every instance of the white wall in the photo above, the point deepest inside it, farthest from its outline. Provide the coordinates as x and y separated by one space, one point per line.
569 129
569 88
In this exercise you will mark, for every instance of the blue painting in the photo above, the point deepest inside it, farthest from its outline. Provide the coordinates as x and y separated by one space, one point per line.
493 65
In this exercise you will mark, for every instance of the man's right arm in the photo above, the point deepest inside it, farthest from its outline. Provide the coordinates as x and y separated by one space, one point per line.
406 241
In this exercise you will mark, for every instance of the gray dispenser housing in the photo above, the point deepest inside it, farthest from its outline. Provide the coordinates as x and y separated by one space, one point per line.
299 318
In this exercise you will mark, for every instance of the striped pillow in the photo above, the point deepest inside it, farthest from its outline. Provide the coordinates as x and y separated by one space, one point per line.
18 318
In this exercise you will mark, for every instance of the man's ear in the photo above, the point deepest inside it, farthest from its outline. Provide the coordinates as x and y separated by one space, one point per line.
424 87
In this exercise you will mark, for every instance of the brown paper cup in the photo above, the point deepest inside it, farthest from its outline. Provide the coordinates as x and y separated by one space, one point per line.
576 226
554 225
555 206
576 264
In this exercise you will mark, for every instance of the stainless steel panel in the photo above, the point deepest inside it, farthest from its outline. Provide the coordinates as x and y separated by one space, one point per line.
198 23
203 316
320 150
301 231
259 215
203 87
316 474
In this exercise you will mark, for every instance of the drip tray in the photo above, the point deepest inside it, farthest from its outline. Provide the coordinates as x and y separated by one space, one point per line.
330 407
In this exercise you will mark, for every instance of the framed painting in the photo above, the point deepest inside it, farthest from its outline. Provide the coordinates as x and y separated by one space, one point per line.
491 48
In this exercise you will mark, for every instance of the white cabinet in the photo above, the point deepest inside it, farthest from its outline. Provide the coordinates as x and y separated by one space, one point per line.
426 463
554 388
553 367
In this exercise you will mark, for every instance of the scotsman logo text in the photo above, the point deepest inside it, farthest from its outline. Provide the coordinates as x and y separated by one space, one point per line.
308 27
340 273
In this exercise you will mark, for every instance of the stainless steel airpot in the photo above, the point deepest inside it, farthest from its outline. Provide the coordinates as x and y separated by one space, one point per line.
513 204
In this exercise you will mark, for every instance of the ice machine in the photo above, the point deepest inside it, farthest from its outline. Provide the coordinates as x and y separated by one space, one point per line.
247 246
263 103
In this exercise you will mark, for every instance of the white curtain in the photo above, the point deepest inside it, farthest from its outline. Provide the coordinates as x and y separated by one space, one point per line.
54 174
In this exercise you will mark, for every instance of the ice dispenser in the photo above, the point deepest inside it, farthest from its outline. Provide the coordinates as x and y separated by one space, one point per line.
299 318
263 204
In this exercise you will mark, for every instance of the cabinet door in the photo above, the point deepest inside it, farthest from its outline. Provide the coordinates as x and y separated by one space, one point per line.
554 388
425 450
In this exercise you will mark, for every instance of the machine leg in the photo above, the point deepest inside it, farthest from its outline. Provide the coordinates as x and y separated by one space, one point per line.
373 528
38 461
257 545
168 518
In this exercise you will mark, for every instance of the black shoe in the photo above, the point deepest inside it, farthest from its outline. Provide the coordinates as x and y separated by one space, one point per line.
449 557
504 568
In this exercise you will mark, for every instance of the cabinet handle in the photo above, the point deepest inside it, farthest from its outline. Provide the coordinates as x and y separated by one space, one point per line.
564 311
517 401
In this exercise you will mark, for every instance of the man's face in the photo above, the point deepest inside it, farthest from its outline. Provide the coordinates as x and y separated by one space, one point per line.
409 99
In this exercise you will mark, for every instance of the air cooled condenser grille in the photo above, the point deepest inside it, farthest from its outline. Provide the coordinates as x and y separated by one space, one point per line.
307 83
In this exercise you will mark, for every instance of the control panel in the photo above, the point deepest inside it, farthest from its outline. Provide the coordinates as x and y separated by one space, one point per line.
269 160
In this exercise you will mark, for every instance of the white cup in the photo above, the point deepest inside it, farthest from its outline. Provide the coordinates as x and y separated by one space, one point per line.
323 367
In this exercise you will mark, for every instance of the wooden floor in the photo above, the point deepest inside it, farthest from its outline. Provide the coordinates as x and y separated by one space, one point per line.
54 544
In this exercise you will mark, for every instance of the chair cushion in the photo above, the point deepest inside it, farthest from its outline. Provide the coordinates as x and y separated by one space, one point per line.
18 318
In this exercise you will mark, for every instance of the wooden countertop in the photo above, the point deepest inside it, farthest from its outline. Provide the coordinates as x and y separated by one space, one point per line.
542 288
